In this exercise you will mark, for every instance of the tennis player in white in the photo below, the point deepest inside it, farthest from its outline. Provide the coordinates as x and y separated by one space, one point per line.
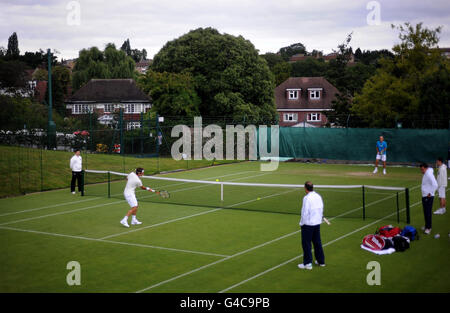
133 182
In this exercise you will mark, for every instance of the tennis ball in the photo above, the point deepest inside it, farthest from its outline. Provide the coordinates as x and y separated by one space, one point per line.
217 179
258 198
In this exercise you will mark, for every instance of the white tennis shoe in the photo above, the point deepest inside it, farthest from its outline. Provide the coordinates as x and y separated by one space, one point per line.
135 222
375 170
124 223
384 171
321 265
439 211
305 266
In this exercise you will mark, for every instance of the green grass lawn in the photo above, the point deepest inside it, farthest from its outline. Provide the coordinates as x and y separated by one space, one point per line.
188 244
27 170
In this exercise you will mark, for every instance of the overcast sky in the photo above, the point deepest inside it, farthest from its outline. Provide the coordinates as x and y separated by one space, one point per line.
69 26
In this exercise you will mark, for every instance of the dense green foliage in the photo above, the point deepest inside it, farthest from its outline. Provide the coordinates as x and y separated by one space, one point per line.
172 94
412 88
94 63
229 76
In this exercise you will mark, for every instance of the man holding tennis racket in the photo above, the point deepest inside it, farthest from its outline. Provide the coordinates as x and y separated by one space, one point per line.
133 182
312 215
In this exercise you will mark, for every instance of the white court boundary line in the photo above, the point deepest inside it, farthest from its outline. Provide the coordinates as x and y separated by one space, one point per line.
96 198
104 204
299 256
261 245
193 215
113 242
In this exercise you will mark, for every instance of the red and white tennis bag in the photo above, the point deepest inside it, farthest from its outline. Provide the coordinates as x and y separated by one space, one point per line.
374 242
389 231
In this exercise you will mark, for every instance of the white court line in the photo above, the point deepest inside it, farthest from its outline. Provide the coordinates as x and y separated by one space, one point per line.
114 242
371 203
193 215
229 257
104 204
96 198
216 262
299 256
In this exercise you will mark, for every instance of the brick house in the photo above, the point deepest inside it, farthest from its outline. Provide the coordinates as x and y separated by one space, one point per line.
302 101
106 96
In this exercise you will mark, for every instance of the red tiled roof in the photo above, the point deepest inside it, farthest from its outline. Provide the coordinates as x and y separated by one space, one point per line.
327 95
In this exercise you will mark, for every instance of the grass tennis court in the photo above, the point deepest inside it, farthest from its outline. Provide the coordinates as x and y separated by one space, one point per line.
190 244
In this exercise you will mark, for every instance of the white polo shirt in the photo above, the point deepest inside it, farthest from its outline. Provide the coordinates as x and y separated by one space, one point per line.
312 209
442 176
133 181
76 163
429 183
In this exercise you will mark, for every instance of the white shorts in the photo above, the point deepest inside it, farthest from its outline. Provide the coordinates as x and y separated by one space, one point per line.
441 191
382 157
131 199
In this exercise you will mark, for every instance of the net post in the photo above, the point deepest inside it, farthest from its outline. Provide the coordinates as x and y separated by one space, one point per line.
364 202
398 210
109 184
221 192
408 218
82 183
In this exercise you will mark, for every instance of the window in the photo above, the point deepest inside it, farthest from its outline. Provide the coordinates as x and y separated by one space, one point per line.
81 109
290 117
293 94
313 117
109 108
133 125
130 108
314 94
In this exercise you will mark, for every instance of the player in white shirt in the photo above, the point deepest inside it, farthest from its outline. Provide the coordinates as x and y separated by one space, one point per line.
133 182
442 185
312 215
76 165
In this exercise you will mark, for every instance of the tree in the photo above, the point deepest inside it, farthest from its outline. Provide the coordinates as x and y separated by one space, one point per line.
309 67
226 70
172 94
281 71
13 47
412 87
272 59
12 74
110 63
40 74
296 48
61 81
126 47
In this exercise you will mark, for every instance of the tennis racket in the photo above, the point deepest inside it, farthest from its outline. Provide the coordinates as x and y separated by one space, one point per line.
163 193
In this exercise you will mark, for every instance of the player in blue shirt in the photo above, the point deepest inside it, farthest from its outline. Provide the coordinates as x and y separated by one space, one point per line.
381 154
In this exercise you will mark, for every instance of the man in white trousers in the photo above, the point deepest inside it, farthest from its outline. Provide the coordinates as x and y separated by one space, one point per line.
442 185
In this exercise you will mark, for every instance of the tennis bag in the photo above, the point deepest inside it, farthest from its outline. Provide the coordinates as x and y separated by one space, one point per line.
410 232
388 231
400 243
374 242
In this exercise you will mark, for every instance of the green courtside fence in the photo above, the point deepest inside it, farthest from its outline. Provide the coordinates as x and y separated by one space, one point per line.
358 144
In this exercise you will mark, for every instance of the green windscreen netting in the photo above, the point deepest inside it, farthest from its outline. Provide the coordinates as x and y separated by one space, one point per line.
358 144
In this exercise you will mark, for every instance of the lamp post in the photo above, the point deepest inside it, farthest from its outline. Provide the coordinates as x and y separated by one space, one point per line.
51 129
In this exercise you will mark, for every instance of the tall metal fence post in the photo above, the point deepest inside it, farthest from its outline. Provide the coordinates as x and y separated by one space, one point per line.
408 217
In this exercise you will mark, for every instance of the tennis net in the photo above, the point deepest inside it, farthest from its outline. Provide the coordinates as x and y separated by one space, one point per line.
352 201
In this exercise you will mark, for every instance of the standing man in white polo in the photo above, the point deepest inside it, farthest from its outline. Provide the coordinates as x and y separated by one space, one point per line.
442 185
429 186
76 165
312 215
